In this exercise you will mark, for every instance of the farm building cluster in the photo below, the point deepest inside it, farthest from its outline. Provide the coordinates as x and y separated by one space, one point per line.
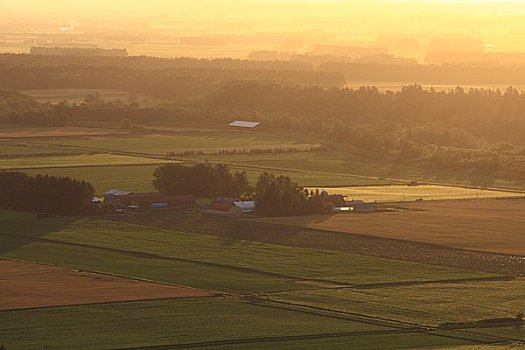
223 206
340 204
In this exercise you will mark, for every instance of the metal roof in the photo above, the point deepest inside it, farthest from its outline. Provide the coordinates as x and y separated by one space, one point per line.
117 193
244 124
245 205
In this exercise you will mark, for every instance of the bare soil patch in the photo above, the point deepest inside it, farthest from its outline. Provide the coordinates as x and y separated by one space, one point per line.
27 285
488 225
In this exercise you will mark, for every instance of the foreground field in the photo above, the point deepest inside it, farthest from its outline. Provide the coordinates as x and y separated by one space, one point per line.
429 304
329 266
156 323
251 276
486 225
27 285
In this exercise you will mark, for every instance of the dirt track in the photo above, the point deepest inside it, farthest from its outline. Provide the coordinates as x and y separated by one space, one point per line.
27 285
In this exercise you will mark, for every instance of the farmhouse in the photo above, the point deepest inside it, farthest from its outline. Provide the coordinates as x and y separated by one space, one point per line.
231 207
123 199
341 205
337 200
112 197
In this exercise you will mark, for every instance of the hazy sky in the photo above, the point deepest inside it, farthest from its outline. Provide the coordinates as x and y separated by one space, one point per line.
491 24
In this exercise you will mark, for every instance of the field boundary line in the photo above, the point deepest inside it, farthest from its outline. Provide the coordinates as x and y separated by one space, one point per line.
266 340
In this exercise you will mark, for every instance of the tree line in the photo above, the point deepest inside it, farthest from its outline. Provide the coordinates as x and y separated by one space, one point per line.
174 82
45 194
201 180
280 196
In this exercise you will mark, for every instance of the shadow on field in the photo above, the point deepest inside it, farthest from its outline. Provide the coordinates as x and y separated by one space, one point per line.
18 229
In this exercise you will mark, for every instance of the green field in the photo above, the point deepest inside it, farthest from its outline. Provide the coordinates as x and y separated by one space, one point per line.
138 178
134 178
252 273
207 141
75 161
268 258
135 324
148 267
19 149
403 193
318 169
430 304
367 168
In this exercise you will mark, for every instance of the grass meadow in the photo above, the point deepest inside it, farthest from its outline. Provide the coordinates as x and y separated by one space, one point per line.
69 161
428 304
291 262
168 322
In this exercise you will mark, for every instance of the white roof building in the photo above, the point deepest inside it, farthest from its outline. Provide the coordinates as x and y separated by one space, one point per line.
244 124
117 193
245 206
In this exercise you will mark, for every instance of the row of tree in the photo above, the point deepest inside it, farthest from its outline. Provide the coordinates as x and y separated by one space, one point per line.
45 194
280 196
202 180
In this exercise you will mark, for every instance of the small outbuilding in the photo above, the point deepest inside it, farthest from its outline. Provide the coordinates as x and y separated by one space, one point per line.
231 207
244 124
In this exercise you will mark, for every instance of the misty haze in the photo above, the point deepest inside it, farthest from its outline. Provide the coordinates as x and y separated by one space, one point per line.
262 174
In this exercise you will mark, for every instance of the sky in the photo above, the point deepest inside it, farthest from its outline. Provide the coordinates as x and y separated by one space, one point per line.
402 25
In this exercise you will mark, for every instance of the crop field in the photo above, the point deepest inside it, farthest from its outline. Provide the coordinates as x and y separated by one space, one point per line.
134 178
332 267
207 141
145 266
429 304
14 149
121 325
18 132
316 169
248 281
489 225
138 178
66 161
357 164
405 193
27 285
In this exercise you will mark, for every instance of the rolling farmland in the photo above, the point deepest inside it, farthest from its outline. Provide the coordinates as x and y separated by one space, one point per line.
244 277
306 282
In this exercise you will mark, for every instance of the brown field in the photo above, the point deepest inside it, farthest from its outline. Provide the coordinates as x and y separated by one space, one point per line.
489 225
28 285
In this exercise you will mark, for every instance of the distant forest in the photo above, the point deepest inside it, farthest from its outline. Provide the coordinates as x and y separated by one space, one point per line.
477 130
